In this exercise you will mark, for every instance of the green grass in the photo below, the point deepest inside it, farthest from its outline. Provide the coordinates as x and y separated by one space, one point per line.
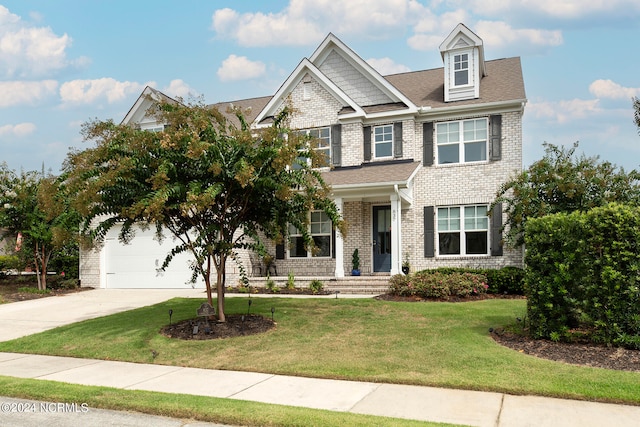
435 344
211 409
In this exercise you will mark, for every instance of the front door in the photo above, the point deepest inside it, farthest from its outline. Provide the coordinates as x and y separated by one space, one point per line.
381 238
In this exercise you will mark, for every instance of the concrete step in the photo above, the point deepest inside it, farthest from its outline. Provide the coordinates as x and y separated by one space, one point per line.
369 285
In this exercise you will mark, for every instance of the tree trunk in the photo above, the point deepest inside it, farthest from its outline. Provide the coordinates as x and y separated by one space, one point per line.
220 288
207 281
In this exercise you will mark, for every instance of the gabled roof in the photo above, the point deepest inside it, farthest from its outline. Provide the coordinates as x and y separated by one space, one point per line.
139 109
305 67
339 90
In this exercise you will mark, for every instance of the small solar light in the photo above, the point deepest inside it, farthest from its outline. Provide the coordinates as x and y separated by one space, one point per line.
273 310
170 314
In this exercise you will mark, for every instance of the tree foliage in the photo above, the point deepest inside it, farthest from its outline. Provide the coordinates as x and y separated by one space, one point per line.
563 182
636 112
216 185
37 208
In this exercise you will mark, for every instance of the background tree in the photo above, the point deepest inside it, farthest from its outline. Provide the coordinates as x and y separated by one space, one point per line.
563 182
36 208
216 186
636 112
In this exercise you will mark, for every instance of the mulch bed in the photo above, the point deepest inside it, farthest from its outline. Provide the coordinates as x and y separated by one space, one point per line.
578 353
236 325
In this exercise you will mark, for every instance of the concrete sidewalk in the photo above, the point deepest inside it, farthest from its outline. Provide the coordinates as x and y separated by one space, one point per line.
391 400
400 401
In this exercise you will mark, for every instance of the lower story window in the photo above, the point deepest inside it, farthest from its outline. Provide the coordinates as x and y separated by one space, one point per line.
320 228
463 230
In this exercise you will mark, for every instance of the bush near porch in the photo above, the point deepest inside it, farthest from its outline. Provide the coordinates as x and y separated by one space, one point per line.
460 282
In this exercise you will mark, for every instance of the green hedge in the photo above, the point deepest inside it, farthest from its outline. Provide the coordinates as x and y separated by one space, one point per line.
583 275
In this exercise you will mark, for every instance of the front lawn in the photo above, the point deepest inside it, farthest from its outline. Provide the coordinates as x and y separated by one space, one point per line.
435 344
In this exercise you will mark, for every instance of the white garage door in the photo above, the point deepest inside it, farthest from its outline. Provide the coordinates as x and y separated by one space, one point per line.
136 265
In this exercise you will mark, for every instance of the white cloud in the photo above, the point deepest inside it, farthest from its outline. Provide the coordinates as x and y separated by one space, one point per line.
89 91
305 22
25 92
610 89
499 34
21 129
564 111
386 66
179 89
565 9
27 51
240 68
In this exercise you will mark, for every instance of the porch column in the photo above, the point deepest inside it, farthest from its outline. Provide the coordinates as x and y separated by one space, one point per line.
339 243
396 237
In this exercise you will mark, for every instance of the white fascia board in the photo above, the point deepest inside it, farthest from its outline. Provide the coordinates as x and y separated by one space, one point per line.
490 107
305 66
142 104
360 64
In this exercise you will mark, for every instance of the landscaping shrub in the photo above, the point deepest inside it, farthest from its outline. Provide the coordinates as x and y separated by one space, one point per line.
583 270
438 285
506 280
316 286
9 262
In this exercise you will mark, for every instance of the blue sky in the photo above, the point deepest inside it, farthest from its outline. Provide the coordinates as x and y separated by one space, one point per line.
65 62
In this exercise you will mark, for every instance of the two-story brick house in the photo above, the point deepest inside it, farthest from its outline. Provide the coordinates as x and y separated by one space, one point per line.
416 160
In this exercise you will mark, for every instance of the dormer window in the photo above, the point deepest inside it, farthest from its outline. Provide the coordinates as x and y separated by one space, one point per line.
461 69
463 56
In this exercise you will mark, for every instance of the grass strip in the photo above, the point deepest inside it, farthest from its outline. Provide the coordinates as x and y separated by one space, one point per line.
432 344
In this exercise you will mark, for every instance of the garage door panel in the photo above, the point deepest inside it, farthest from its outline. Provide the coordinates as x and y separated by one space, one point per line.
135 265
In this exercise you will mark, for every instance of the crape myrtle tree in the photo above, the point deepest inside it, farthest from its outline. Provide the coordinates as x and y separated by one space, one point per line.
35 208
563 182
211 182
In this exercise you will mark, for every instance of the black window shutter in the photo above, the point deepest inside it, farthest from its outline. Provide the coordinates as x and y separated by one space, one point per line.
496 230
429 232
397 140
336 145
495 137
367 143
280 251
427 144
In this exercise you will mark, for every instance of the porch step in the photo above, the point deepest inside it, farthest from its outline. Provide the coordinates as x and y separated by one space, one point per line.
368 285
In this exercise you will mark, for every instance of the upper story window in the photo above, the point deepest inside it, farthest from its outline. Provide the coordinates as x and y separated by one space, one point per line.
461 69
463 230
321 229
462 141
383 141
321 142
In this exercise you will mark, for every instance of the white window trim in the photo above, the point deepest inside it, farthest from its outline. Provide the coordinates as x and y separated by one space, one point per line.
452 70
328 148
461 143
373 142
309 253
462 231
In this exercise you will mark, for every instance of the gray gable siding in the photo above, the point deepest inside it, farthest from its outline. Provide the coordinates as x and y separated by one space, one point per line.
360 89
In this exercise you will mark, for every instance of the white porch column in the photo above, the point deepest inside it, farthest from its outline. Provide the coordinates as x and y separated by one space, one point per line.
396 235
339 243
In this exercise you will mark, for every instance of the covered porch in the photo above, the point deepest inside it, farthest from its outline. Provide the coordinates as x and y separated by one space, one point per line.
371 198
